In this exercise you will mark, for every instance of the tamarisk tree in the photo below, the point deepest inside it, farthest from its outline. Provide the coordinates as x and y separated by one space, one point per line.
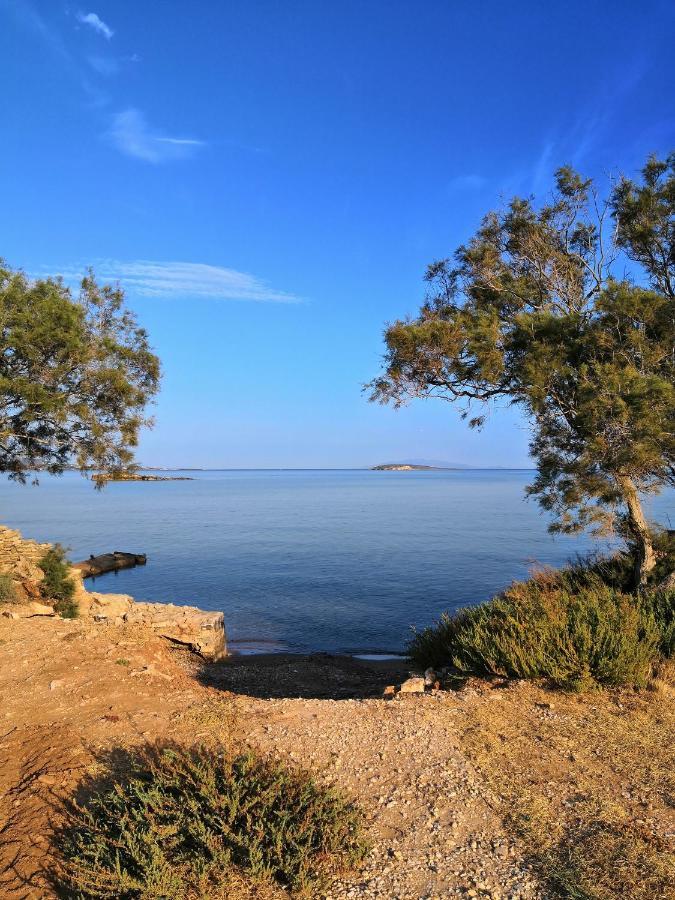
76 373
566 310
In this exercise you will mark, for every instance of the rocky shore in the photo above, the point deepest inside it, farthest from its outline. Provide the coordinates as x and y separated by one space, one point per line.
202 631
460 788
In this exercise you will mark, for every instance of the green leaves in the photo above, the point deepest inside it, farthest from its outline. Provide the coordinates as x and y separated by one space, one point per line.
530 310
190 822
570 628
75 376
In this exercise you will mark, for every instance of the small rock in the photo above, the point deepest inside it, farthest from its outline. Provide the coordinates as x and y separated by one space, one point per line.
412 686
57 683
39 609
389 692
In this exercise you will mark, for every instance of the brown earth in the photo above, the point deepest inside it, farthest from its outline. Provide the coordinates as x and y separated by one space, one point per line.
467 793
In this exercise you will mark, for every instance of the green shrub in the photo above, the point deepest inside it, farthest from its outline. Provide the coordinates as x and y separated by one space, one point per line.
570 628
661 606
618 570
57 584
181 823
7 589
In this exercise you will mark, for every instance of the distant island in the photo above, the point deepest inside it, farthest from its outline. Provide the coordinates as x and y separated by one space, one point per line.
102 477
401 467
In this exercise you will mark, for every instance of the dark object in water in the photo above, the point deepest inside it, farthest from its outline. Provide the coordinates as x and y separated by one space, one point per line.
109 562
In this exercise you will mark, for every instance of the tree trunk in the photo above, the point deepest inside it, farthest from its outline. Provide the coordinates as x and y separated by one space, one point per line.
645 560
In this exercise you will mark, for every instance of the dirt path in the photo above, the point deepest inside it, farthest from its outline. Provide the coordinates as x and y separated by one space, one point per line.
419 765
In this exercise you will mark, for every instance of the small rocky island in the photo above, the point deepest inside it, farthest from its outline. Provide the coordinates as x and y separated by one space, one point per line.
401 467
103 477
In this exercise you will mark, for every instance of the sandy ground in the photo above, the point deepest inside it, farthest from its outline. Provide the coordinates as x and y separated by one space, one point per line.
433 772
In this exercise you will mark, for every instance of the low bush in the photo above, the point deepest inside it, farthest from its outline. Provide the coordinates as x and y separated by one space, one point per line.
57 584
7 589
192 823
568 627
660 605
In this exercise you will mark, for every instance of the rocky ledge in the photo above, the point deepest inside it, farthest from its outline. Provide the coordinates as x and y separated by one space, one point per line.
203 632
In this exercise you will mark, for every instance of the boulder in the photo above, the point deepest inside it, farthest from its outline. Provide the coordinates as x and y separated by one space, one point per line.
110 607
412 686
203 631
26 610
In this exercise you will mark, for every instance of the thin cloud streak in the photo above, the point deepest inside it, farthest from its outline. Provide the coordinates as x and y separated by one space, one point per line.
470 182
180 142
103 66
132 135
95 22
182 280
27 17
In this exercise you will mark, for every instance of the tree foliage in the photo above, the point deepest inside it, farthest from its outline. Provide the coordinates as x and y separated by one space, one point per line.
537 310
75 376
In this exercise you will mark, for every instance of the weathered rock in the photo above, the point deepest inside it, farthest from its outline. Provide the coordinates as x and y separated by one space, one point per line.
109 562
202 631
389 692
19 557
40 609
412 686
27 610
110 607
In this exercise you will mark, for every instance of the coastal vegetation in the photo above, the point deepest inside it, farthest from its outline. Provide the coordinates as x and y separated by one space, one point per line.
537 310
57 584
76 373
7 589
184 823
576 628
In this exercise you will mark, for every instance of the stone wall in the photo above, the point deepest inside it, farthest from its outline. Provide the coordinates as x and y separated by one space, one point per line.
204 632
19 557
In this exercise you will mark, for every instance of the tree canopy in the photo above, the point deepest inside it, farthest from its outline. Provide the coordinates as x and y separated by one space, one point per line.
76 373
566 310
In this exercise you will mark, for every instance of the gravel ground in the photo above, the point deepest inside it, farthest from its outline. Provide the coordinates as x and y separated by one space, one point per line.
431 771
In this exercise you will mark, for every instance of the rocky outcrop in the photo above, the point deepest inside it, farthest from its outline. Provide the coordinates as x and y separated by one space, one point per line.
109 562
202 631
19 558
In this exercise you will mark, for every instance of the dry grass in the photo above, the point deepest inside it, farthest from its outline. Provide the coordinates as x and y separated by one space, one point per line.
588 785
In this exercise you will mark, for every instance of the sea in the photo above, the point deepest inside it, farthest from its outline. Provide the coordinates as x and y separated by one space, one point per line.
339 561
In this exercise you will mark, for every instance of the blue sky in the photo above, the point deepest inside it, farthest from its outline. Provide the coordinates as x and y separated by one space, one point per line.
269 180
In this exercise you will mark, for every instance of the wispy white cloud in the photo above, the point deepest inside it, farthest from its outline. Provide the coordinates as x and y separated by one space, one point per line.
95 22
543 169
180 142
27 17
103 65
469 182
132 135
182 280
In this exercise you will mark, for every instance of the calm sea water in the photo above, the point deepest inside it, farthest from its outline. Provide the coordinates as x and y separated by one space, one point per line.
340 561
